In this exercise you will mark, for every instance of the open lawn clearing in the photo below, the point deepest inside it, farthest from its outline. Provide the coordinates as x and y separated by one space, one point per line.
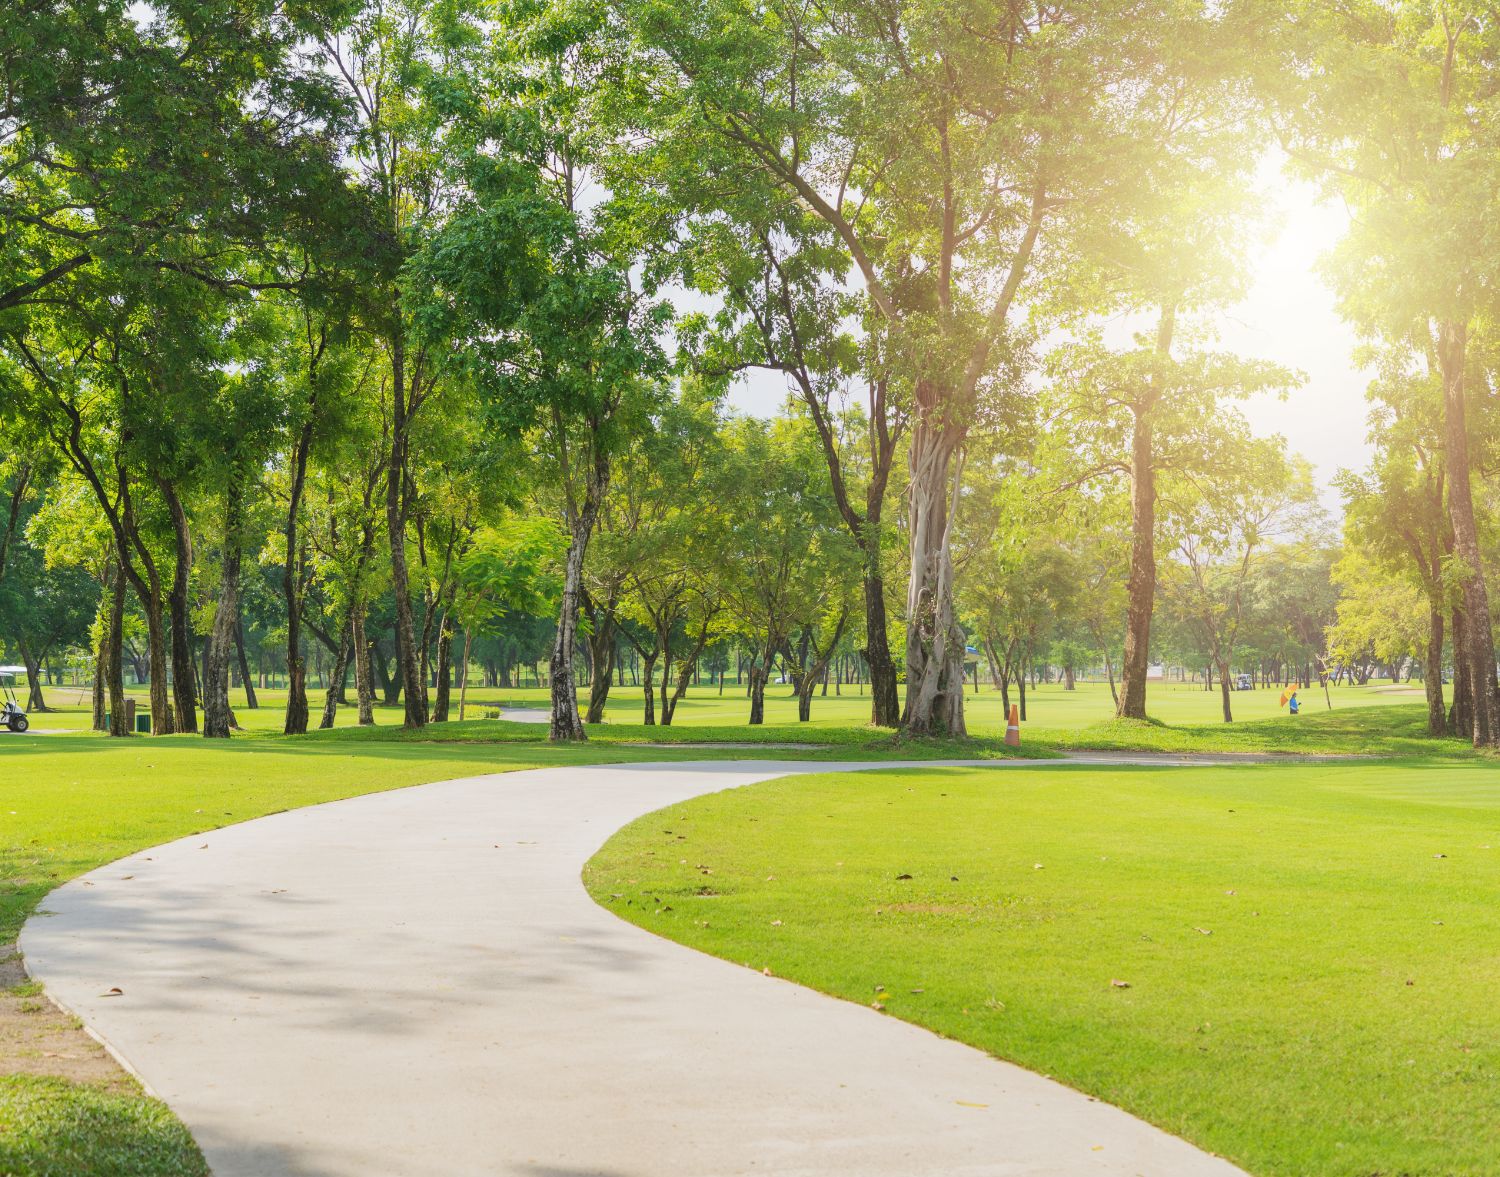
1309 951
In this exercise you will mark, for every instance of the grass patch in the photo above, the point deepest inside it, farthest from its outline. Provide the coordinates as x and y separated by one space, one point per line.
53 1128
1306 948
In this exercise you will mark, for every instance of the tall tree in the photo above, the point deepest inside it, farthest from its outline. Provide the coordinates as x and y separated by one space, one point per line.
1392 105
955 170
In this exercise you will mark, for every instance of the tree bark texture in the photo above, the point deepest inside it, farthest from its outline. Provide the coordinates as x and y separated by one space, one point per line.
1480 640
934 643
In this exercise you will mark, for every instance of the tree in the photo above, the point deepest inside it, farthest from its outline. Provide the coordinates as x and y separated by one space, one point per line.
787 559
1392 107
533 286
1396 522
1224 534
954 171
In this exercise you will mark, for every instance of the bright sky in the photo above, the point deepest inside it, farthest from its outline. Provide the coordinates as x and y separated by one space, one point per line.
1288 316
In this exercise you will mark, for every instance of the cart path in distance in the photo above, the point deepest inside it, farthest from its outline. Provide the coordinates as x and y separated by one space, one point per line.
414 983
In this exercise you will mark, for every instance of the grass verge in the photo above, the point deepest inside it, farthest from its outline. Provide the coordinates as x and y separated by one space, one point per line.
54 1128
1285 965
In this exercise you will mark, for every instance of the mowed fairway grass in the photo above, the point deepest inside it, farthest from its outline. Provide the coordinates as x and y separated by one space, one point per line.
1312 952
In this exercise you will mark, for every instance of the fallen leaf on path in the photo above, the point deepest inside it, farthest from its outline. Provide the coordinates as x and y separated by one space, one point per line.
116 991
964 1103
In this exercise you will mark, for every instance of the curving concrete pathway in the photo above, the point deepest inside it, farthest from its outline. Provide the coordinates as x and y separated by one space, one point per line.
415 984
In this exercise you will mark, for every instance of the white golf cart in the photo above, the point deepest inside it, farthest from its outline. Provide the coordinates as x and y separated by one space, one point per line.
11 715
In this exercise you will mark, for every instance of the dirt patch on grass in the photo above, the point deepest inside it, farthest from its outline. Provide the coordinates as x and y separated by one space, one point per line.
37 1038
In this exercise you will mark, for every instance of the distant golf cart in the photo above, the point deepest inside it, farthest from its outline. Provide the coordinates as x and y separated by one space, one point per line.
11 714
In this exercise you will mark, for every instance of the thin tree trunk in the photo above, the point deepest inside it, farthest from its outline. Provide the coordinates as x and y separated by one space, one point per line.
102 651
184 698
463 673
1461 718
648 684
1224 691
412 683
1432 675
156 647
602 653
115 660
251 702
364 682
1452 356
334 695
444 668
217 716
1141 584
566 723
885 694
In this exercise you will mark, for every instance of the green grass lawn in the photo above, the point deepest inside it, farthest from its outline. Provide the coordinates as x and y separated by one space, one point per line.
1310 951
76 800
1050 708
52 1128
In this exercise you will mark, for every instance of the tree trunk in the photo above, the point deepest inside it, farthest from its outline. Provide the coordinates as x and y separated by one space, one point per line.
184 699
758 675
689 670
648 684
1224 691
444 668
291 588
217 716
567 724
114 645
1432 675
1461 717
1109 670
463 673
335 692
33 663
251 702
407 659
102 653
156 648
1021 683
1452 356
934 641
885 694
602 653
364 682
1141 583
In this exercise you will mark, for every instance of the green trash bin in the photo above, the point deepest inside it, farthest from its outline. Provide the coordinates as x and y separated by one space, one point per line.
143 722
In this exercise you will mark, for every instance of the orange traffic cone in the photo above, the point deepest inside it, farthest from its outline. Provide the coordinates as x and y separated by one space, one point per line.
1013 727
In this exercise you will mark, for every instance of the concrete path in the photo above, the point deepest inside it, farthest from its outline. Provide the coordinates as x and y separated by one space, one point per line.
415 984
